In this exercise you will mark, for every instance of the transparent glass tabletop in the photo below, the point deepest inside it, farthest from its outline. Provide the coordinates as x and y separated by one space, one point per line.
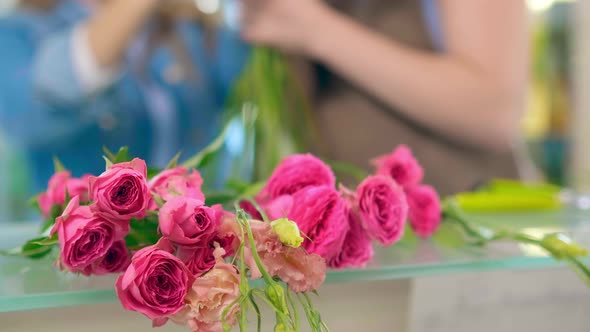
27 284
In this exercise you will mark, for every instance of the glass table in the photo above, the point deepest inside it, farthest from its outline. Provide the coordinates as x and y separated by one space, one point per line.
28 285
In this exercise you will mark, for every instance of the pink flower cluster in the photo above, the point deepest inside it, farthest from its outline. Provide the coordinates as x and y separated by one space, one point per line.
339 225
423 200
184 277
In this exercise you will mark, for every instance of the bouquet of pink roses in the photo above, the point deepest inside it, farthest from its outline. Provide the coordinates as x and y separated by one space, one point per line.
184 259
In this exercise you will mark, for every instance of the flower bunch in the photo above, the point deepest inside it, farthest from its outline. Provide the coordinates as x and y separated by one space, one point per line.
339 224
178 259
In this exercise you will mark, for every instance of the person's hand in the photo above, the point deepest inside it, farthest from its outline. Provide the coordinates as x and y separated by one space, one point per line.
290 25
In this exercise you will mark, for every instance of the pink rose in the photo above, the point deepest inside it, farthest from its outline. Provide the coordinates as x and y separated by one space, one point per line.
188 222
357 249
301 271
295 173
177 182
401 166
84 237
114 261
319 213
155 284
199 260
121 193
425 210
382 208
56 191
208 297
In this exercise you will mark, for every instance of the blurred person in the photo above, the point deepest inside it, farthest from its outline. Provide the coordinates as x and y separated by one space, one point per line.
446 77
79 75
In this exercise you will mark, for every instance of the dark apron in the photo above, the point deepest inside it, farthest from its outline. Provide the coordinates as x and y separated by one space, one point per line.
355 127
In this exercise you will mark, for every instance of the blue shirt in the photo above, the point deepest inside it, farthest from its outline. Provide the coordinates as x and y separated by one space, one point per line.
45 112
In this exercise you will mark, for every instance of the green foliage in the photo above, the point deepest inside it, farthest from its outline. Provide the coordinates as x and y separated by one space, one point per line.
284 125
120 157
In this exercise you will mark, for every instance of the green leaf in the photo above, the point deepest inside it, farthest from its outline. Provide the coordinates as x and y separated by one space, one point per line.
174 161
222 198
57 165
47 225
55 212
34 203
207 154
108 154
46 241
143 232
108 162
122 155
36 248
152 172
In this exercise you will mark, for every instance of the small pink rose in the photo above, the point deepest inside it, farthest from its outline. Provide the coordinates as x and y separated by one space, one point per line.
401 166
155 284
295 173
208 297
121 193
188 222
84 237
357 249
383 209
176 182
425 210
114 261
198 260
56 191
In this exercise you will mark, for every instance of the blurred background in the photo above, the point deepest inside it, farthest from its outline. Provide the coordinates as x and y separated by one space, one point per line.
546 125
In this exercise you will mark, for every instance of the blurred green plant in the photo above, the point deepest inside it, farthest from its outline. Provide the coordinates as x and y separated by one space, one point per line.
284 125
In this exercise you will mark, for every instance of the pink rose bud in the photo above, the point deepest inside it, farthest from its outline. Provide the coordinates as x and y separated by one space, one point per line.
177 182
295 173
155 284
198 260
84 237
357 249
116 260
425 210
401 166
121 193
383 209
56 191
188 222
320 214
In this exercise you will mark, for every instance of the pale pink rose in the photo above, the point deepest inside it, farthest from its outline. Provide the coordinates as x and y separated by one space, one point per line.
155 284
295 173
84 237
383 209
357 249
176 182
401 166
116 260
198 260
208 297
121 192
320 214
188 222
425 210
301 271
56 191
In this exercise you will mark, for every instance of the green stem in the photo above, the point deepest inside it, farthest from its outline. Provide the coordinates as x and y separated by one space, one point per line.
295 312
